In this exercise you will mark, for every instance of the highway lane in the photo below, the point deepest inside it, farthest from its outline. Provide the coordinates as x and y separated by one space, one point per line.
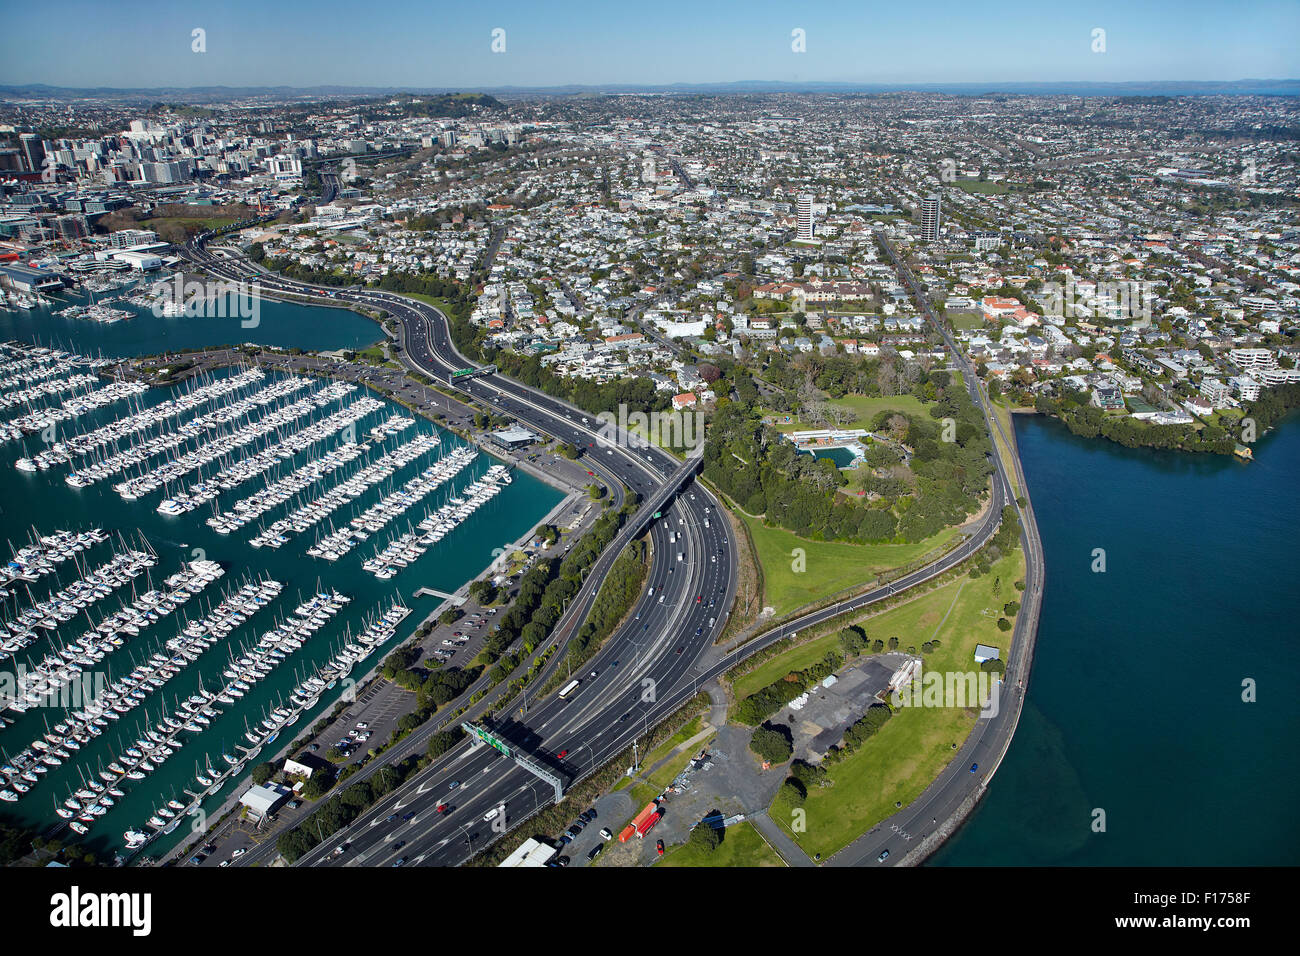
596 722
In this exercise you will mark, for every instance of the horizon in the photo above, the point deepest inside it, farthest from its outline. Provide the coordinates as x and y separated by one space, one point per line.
408 45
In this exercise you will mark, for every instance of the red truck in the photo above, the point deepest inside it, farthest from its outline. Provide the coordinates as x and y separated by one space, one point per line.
648 824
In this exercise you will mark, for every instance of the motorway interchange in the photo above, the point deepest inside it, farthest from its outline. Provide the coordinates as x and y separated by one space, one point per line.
651 665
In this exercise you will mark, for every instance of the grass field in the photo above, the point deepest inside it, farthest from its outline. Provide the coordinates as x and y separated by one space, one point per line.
1002 412
741 846
864 406
829 566
965 320
901 760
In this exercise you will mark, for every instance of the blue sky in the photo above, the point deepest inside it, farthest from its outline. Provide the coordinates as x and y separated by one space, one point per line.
132 43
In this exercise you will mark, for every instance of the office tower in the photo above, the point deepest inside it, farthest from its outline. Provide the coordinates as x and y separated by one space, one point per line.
930 217
805 219
33 151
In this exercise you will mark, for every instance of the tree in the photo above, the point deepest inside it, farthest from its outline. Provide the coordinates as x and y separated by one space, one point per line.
263 772
705 838
772 743
1004 624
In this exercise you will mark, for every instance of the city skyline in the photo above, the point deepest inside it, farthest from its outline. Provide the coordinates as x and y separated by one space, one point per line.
409 45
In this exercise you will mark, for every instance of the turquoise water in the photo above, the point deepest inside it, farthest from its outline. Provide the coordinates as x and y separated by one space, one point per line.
1135 704
281 324
842 457
44 500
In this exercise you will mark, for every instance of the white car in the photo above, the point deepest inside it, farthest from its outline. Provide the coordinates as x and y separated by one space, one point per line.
492 814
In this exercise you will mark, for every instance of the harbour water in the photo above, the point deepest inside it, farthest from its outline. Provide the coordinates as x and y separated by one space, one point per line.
1135 707
282 324
42 501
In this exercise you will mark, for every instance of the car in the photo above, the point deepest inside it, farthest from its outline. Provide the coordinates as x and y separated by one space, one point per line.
625 717
197 859
699 598
884 855
453 785
561 755
659 847
441 808
224 863
589 814
392 817
974 767
399 844
340 849
595 851
400 861
564 839
492 814
314 747
606 834
408 815
238 853
362 725
561 861
680 650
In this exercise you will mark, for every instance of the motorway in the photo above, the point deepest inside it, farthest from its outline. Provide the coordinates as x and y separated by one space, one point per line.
691 586
660 657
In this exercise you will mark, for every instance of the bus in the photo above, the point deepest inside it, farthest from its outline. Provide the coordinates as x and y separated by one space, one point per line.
569 688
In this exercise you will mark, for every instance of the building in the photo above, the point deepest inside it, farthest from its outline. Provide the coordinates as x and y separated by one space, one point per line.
23 278
985 653
930 217
263 800
140 261
804 216
512 438
530 853
33 151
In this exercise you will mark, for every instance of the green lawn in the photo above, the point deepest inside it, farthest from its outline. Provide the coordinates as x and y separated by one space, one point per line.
864 406
965 320
829 566
741 846
900 761
1002 412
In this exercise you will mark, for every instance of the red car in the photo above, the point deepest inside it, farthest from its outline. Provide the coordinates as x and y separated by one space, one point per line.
699 598
659 847
561 755
442 808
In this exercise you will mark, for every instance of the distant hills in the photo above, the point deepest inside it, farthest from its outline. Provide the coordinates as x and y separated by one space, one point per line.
201 95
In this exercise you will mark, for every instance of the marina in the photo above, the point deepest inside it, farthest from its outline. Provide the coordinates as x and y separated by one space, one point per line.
160 637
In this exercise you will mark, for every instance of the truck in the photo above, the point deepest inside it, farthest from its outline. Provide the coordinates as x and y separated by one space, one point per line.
626 833
648 811
649 823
